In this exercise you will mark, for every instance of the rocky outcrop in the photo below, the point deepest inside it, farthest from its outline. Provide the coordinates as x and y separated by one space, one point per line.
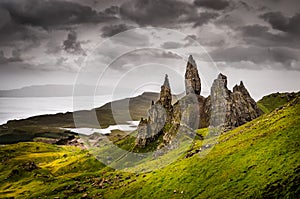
160 114
144 136
165 100
231 109
192 79
185 115
223 109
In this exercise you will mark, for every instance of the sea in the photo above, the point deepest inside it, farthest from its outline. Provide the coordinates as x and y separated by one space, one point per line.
21 108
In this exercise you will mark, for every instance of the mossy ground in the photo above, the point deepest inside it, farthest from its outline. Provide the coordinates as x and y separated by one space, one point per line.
271 102
257 160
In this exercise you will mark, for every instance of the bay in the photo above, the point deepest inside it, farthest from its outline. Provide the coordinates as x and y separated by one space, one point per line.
21 108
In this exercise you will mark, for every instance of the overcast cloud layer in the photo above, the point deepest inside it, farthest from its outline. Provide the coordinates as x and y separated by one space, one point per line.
40 38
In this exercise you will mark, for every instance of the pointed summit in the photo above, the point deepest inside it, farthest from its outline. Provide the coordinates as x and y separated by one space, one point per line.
165 97
192 79
242 89
166 83
192 61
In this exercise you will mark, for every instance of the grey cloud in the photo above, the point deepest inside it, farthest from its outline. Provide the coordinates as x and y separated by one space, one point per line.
141 57
108 31
52 14
280 22
156 12
257 55
10 32
167 13
204 18
212 4
172 45
261 36
132 38
15 57
193 40
61 60
72 45
113 10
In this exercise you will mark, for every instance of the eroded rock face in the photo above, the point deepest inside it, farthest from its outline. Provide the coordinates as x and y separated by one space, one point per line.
185 115
160 114
222 109
192 79
231 109
144 136
165 99
204 111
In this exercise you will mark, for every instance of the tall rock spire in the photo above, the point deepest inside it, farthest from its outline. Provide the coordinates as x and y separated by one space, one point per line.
166 83
159 114
165 98
192 79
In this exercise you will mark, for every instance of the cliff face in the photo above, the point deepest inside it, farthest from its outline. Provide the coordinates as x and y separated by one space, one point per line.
223 109
231 109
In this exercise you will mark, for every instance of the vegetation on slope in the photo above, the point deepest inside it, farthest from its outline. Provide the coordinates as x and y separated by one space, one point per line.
257 160
275 100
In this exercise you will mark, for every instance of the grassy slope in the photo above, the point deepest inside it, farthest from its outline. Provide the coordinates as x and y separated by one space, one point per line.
259 159
271 102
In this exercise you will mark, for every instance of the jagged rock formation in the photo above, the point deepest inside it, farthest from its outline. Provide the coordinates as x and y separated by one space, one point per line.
223 109
165 99
192 79
231 109
159 114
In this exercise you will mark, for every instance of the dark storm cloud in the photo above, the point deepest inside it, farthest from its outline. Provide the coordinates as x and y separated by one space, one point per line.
108 31
10 31
261 36
165 13
51 14
15 57
155 12
286 24
72 45
204 18
212 4
257 55
113 10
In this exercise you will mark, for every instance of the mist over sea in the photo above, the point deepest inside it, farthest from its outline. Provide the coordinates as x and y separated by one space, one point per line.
20 108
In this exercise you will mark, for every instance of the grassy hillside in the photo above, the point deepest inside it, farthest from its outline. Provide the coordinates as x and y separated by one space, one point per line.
257 160
271 102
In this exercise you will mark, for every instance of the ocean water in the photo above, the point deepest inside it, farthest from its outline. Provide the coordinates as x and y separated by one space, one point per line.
130 126
20 108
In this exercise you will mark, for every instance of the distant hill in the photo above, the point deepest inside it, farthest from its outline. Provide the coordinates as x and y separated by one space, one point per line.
53 91
275 100
259 159
43 125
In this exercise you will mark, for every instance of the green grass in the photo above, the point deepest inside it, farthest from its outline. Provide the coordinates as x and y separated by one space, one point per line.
271 102
257 160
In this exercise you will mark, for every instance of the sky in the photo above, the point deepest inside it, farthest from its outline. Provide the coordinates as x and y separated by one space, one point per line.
132 44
